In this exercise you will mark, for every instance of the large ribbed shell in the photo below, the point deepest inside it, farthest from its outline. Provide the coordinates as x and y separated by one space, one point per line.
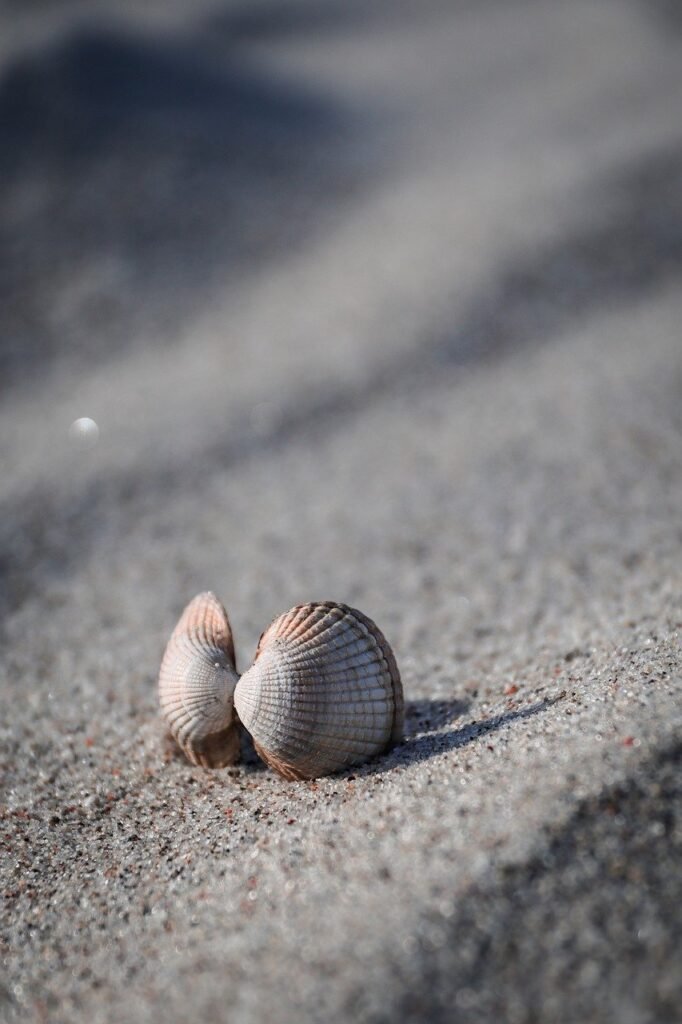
196 684
323 693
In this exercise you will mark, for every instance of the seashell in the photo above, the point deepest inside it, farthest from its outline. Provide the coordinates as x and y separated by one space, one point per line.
196 684
323 693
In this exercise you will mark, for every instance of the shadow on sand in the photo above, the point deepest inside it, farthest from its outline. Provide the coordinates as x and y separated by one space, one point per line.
423 740
140 173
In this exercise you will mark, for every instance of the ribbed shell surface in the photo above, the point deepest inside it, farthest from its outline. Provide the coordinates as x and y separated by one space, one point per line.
323 693
196 684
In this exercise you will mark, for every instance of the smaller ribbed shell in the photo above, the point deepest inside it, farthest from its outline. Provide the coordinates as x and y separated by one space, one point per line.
196 684
323 693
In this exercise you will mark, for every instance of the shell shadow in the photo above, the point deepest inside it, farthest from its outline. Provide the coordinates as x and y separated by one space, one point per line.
423 740
249 759
425 716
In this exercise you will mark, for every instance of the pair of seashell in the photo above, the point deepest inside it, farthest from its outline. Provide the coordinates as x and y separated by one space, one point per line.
322 694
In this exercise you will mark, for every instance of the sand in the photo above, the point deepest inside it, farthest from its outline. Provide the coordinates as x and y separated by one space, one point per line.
372 304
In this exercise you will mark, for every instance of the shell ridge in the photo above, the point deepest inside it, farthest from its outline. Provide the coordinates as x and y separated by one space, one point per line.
327 624
196 682
294 636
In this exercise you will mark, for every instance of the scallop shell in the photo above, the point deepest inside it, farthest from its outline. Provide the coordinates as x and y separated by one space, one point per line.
323 693
197 681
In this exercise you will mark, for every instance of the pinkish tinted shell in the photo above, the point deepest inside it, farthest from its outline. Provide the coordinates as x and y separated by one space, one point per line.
197 681
323 693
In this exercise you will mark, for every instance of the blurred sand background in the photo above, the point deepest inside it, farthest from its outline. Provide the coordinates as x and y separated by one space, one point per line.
377 302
